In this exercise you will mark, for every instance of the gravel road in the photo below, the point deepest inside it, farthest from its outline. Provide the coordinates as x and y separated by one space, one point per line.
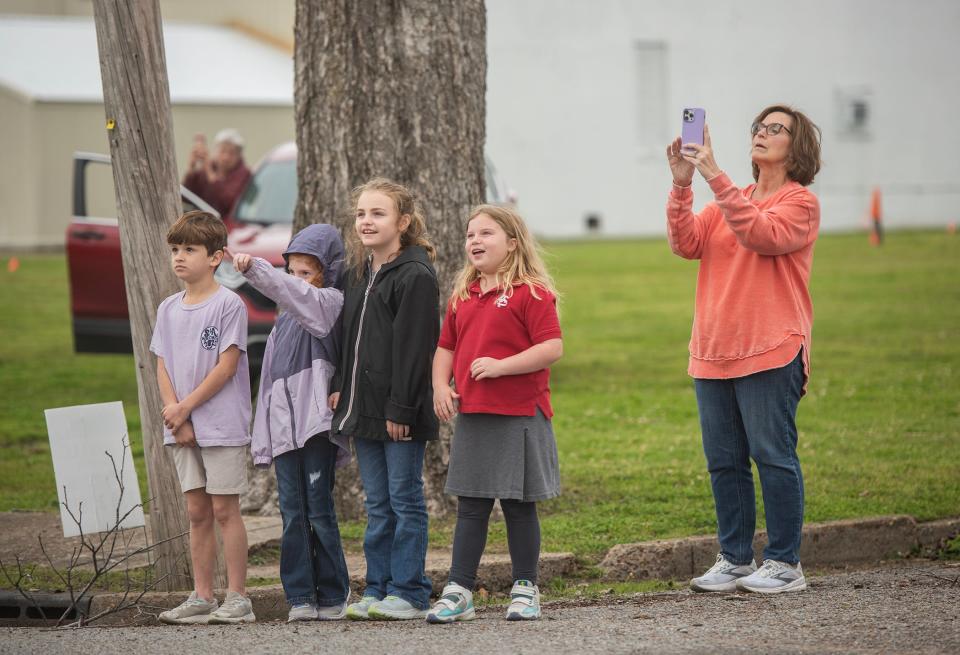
905 607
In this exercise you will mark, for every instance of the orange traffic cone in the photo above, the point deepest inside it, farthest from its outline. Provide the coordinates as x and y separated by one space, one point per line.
876 227
13 264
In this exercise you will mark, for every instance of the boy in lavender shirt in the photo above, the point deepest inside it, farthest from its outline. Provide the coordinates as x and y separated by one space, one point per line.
200 341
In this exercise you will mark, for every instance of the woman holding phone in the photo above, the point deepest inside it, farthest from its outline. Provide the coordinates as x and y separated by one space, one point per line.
750 348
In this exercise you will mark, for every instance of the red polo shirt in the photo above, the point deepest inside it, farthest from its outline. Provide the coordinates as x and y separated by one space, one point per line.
494 325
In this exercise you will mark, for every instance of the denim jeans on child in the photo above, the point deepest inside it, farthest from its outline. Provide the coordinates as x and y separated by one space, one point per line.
312 567
395 544
754 417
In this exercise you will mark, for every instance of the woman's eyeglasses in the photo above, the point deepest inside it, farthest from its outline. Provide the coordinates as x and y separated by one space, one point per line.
771 129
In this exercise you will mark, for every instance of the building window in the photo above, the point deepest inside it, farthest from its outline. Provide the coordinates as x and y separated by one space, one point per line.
854 112
652 96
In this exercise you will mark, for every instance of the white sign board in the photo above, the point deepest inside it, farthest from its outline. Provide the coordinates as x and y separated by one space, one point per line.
80 437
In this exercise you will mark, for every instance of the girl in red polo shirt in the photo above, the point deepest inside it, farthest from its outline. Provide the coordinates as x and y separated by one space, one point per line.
500 335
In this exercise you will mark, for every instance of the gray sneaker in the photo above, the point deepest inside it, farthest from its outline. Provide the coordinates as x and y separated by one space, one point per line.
235 609
332 612
394 608
303 612
723 575
358 611
193 610
774 578
311 612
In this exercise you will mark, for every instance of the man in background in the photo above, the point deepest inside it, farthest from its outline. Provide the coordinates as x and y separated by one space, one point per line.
221 177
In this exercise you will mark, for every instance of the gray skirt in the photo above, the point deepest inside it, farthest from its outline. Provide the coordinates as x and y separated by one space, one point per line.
497 456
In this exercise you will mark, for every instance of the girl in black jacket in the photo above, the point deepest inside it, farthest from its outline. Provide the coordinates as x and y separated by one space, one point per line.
382 392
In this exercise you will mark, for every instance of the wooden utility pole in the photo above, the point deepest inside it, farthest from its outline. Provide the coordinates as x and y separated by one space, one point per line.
392 88
136 97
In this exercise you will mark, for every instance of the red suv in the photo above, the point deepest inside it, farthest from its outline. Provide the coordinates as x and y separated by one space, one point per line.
260 224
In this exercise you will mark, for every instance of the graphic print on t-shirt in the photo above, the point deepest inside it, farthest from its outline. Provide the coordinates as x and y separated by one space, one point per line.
210 337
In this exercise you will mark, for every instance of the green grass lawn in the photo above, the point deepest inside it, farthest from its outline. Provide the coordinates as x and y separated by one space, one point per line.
879 428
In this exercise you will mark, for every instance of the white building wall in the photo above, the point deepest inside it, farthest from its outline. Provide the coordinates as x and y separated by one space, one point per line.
19 165
563 97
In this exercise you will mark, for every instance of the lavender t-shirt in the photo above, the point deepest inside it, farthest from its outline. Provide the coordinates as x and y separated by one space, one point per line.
190 339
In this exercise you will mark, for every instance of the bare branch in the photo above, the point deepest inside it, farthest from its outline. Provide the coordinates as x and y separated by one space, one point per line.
118 475
144 549
18 584
46 555
121 606
104 559
78 521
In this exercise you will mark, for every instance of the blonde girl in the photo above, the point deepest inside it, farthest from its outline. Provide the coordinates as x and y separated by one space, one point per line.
500 336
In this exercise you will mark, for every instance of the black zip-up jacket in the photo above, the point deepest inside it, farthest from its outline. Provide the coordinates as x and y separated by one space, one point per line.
391 325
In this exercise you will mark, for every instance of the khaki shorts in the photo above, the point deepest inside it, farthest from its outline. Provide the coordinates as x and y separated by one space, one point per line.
221 470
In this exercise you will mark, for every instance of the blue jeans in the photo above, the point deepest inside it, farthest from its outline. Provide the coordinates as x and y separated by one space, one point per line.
395 543
754 417
312 567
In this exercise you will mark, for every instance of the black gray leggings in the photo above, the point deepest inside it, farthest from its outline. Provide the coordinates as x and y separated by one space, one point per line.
470 538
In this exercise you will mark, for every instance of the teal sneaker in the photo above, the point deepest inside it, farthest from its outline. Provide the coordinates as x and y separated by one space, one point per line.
358 611
524 602
394 608
455 604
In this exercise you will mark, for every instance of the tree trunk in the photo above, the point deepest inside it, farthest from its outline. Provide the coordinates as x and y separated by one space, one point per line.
136 98
393 88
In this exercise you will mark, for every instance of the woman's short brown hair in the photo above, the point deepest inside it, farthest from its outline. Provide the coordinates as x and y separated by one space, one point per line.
198 228
803 162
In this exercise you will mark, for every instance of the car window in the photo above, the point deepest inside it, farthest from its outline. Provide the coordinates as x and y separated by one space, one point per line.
491 190
271 195
495 193
98 188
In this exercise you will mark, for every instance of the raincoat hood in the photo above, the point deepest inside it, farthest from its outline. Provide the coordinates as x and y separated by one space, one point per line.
323 242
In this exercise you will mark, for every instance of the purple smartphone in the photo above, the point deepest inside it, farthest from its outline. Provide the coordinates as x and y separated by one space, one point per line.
693 120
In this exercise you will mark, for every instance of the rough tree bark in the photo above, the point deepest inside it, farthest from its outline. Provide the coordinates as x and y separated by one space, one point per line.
136 98
392 88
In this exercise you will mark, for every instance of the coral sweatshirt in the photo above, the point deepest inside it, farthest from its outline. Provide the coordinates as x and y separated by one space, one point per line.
753 308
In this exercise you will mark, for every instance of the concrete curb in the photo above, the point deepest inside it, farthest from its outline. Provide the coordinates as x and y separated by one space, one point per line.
836 543
269 602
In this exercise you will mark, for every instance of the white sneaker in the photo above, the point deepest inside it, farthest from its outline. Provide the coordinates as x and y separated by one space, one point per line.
774 578
193 610
303 612
723 575
394 608
358 611
234 609
524 602
332 612
455 604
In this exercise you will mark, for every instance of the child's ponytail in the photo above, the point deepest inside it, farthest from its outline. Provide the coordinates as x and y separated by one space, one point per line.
414 235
